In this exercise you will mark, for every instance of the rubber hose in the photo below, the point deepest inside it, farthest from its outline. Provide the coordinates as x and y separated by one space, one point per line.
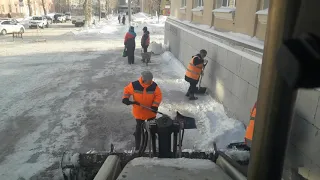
142 139
145 142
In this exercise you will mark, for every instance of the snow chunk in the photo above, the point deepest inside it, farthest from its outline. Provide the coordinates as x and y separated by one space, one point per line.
191 164
224 10
264 12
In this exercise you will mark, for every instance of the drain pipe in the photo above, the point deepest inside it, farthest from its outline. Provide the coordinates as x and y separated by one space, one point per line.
276 98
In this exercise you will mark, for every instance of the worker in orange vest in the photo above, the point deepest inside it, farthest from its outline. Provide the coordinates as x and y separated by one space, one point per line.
194 70
144 92
250 128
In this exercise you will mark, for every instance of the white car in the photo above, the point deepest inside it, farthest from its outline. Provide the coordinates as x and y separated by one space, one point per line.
9 26
38 21
68 16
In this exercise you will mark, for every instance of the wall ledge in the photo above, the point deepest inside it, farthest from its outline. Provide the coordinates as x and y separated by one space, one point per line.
225 13
262 16
183 10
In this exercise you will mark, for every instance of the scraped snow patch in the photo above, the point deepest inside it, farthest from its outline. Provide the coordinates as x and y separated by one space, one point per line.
191 164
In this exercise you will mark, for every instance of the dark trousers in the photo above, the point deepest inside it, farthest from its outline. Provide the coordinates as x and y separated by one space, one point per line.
145 49
192 88
138 132
130 59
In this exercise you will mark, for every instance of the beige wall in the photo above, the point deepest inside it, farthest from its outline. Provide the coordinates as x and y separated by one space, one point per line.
261 31
223 25
245 20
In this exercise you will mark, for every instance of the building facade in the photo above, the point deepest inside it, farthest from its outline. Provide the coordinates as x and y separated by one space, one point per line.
233 33
20 8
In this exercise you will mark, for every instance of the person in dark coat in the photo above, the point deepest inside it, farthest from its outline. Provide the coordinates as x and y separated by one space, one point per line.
130 44
119 19
9 15
145 40
124 20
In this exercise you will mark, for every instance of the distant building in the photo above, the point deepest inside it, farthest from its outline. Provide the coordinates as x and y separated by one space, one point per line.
20 8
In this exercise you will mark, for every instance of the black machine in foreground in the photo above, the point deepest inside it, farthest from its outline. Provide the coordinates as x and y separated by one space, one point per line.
168 132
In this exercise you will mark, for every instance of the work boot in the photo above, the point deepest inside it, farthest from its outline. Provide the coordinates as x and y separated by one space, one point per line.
192 97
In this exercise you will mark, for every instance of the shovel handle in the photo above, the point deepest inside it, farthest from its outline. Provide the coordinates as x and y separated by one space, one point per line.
151 109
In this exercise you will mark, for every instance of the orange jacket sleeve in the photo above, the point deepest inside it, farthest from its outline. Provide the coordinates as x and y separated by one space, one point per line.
128 91
157 97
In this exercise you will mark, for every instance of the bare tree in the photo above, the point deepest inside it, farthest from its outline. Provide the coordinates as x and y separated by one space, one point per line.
111 5
87 7
155 6
30 8
44 7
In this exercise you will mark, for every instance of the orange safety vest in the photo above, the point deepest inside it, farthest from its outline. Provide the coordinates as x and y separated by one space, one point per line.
250 128
147 95
194 71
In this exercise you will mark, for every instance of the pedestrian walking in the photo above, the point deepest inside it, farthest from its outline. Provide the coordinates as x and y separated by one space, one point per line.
9 15
194 70
145 40
130 44
119 19
124 19
144 92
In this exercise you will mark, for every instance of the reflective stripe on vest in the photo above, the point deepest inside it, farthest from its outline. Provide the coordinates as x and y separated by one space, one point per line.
138 88
250 128
194 71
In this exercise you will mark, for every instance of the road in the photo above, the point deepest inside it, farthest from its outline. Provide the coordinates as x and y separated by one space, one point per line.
53 99
62 91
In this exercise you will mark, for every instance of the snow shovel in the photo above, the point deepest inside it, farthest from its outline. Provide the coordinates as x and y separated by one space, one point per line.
189 122
202 90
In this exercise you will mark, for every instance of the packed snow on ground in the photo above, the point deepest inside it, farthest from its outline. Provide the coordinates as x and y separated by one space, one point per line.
65 94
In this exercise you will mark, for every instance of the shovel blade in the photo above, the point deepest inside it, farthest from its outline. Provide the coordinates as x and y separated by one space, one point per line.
201 90
189 122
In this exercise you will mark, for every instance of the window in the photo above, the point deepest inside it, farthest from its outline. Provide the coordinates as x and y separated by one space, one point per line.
198 3
183 3
6 22
265 4
228 3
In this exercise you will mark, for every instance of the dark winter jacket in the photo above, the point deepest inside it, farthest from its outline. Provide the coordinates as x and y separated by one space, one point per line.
198 60
123 19
145 40
130 42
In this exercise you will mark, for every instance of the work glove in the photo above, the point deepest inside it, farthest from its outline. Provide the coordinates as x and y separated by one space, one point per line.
126 101
155 109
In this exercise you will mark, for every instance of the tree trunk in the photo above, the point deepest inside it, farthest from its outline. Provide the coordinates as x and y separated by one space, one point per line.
99 2
30 8
88 12
44 7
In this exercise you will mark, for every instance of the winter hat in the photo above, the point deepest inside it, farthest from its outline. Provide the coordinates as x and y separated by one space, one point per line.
131 29
145 28
147 75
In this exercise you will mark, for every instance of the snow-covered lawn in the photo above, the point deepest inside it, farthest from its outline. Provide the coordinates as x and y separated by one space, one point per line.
65 94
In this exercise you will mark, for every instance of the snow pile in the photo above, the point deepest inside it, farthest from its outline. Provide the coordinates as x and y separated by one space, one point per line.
238 155
190 164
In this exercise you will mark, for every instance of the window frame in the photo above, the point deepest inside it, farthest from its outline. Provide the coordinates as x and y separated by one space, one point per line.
183 3
227 3
265 4
198 3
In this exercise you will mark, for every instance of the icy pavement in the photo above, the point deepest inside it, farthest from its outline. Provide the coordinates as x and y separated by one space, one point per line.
65 94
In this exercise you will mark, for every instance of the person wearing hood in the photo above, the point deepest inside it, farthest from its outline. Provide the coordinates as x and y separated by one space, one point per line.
145 40
130 44
119 19
124 19
194 70
144 92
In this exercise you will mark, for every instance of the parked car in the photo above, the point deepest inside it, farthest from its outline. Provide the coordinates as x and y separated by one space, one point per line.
38 21
68 16
60 18
49 19
8 26
9 19
80 20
